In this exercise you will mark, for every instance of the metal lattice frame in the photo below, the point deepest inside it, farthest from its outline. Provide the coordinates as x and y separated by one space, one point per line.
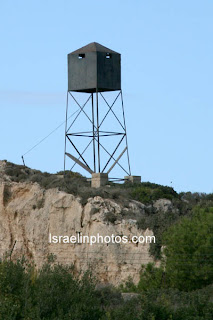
95 135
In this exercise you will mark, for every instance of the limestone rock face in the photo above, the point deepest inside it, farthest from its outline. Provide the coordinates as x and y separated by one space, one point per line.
30 216
163 205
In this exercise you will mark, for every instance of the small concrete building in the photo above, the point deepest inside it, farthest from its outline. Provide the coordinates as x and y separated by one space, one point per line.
94 68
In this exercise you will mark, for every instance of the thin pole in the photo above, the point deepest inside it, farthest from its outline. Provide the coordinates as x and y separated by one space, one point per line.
65 143
99 165
93 129
23 160
125 133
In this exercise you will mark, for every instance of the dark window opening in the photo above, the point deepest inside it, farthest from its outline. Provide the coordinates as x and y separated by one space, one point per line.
108 55
81 56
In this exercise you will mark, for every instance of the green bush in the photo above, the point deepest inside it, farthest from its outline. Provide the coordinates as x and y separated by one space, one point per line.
151 277
110 217
48 294
188 251
72 182
55 292
165 304
148 192
59 294
129 310
15 290
6 194
160 221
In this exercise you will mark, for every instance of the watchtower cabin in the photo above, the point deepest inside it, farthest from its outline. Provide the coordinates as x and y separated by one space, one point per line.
94 68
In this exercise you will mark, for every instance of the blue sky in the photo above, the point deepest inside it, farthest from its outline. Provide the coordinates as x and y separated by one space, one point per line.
167 80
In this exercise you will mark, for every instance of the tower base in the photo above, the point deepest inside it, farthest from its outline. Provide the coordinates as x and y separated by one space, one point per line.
133 179
99 179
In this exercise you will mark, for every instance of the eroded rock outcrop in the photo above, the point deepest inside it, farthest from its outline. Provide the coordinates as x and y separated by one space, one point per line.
29 214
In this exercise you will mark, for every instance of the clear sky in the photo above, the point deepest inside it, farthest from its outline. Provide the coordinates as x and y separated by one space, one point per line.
167 81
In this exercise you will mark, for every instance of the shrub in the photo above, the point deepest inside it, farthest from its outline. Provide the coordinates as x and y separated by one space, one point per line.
148 192
51 293
6 194
110 217
188 251
151 277
55 292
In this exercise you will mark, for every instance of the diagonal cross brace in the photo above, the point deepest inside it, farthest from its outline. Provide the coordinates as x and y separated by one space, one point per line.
113 158
78 152
82 110
113 152
79 162
116 161
82 153
110 109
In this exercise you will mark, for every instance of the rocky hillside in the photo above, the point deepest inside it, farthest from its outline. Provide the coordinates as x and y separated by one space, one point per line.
35 205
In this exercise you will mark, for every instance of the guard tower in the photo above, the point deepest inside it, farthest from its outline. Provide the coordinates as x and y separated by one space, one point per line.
94 71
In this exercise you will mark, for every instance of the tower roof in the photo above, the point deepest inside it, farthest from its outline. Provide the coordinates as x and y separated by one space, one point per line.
93 47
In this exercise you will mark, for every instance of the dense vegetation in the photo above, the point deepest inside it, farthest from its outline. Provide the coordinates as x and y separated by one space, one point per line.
52 293
76 184
56 292
181 288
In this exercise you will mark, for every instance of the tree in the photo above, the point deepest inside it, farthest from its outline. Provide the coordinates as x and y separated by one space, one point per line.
53 292
188 251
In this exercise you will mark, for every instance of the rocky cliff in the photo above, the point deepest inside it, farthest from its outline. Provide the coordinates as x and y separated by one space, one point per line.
29 214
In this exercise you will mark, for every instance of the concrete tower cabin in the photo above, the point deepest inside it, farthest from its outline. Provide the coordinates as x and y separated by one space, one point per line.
94 68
